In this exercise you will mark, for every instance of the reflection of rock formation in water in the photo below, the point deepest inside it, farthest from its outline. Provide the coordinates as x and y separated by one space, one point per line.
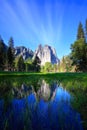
50 92
23 91
44 91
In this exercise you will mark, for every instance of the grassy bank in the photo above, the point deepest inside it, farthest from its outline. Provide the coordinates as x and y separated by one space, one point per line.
60 76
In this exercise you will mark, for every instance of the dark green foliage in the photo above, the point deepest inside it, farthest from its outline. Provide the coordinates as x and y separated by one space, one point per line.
36 64
79 55
11 43
79 49
80 32
10 55
10 58
86 30
2 54
29 67
20 64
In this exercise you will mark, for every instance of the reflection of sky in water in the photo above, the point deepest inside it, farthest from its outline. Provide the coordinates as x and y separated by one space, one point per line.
62 95
28 113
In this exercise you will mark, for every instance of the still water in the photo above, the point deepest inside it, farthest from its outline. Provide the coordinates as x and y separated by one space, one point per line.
48 108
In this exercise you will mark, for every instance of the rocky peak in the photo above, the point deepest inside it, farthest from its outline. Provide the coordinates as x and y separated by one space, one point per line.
26 53
46 54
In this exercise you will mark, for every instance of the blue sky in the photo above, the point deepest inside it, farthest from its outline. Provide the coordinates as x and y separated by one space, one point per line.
34 22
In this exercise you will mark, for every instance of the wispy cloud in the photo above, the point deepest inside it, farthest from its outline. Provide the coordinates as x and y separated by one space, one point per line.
41 21
26 18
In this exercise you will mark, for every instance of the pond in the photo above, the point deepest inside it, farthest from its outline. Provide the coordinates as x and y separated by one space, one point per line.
45 107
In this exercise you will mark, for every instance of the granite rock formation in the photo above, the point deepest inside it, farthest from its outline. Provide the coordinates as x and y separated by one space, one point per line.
46 54
26 53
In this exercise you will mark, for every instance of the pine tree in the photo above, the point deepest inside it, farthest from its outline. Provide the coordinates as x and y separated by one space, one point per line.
11 43
86 30
20 64
10 54
80 32
10 59
79 49
78 55
36 64
2 54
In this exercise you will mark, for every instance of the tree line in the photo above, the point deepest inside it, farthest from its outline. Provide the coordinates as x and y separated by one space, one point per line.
8 61
6 54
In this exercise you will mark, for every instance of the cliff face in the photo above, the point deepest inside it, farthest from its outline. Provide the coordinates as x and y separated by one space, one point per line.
46 54
26 53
